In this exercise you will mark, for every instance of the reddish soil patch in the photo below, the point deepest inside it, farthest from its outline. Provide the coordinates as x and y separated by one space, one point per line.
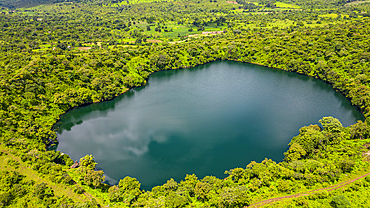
84 48
153 41
232 2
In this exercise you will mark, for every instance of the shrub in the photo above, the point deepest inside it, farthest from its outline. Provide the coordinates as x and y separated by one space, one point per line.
319 195
13 163
367 178
301 201
340 201
284 186
78 189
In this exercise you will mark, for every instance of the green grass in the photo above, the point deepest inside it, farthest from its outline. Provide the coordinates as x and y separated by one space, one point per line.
183 30
329 15
279 5
285 5
43 46
136 2
123 40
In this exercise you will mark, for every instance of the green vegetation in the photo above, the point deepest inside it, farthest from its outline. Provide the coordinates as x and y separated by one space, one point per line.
60 55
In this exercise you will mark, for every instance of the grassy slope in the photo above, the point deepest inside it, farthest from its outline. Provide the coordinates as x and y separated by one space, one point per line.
30 174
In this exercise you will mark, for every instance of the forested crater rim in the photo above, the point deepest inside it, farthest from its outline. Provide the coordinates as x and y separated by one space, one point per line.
230 80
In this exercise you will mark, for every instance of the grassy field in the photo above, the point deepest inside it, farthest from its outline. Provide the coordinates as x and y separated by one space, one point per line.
280 5
128 2
175 31
285 5
329 15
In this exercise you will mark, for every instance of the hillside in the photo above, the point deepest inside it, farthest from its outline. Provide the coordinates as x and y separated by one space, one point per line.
55 56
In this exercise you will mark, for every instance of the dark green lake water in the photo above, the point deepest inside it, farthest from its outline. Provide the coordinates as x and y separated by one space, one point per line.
202 120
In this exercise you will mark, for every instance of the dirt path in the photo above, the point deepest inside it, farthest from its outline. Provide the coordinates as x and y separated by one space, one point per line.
330 188
60 189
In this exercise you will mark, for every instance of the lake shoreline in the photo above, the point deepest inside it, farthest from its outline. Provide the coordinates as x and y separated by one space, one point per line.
186 67
231 103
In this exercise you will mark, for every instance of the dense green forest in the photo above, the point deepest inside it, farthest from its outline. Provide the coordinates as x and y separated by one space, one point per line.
56 55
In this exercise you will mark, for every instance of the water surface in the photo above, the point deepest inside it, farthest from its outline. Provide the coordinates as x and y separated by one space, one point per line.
202 120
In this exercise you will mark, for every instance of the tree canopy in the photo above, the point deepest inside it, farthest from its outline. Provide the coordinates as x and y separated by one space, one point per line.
57 55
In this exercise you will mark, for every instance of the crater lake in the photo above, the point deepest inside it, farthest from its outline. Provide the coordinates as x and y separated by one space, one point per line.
202 120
